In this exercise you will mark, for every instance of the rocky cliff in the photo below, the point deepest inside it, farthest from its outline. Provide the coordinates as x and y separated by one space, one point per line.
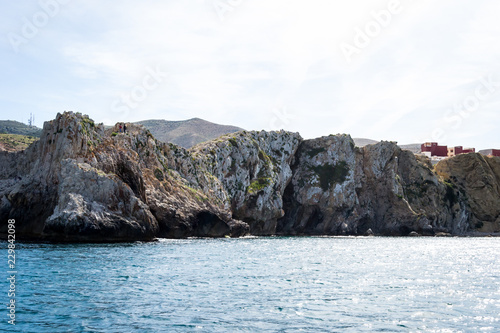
476 179
338 188
81 182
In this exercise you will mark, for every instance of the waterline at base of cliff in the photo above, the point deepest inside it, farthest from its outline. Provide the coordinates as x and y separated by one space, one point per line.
82 182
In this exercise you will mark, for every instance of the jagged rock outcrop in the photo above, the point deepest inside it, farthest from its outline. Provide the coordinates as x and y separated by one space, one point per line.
254 170
477 178
338 188
321 196
29 179
82 182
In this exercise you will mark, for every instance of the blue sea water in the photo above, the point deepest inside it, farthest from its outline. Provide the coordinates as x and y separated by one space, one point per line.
310 284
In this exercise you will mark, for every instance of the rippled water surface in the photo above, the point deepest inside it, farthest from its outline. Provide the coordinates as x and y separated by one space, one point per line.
260 285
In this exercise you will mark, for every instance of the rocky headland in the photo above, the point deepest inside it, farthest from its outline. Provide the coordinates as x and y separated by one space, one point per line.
82 182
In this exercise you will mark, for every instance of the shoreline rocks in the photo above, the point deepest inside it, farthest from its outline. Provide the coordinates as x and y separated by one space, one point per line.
83 183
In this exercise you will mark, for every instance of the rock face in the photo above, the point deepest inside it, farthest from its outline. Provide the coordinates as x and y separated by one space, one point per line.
254 169
81 182
477 178
321 197
338 188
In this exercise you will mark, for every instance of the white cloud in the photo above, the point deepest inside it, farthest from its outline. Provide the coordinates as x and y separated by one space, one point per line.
264 55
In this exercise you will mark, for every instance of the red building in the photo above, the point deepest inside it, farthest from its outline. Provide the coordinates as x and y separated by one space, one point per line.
453 151
434 149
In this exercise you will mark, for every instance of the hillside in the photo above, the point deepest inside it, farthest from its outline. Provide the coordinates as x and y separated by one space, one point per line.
186 133
361 142
15 142
16 127
413 147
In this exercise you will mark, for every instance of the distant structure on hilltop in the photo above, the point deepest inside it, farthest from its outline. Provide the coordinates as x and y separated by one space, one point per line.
31 121
436 152
16 127
453 151
433 149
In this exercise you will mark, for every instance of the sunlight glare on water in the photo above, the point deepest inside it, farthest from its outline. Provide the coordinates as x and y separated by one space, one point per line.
309 284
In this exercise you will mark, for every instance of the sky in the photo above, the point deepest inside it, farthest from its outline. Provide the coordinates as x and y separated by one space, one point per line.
408 71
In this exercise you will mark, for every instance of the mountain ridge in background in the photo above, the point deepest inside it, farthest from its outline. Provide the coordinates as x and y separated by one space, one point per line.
16 127
190 132
413 147
186 133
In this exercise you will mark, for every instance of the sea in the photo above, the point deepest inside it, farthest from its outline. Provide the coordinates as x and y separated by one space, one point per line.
257 284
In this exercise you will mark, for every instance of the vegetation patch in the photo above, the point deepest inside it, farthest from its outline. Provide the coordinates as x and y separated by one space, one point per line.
196 193
259 184
277 152
88 121
264 157
159 174
331 174
15 142
451 195
87 126
233 142
315 151
239 186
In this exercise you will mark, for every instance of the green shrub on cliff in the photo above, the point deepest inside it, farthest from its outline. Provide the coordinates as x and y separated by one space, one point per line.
331 174
159 174
451 195
315 151
259 184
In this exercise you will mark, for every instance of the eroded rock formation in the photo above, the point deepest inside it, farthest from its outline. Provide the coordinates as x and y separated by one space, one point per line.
338 188
81 182
477 179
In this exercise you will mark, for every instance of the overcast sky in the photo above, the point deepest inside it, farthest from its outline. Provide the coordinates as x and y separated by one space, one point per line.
407 71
